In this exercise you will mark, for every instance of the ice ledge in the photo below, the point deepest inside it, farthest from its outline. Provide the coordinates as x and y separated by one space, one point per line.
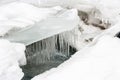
64 20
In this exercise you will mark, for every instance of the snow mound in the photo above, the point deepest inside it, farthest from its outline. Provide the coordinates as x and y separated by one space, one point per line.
11 57
99 61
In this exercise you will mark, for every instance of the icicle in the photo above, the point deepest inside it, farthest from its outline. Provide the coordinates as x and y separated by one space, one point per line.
45 50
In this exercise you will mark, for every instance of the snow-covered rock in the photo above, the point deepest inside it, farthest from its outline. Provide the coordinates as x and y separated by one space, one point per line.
11 57
100 61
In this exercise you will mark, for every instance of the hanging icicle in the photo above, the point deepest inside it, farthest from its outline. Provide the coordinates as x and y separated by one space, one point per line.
46 49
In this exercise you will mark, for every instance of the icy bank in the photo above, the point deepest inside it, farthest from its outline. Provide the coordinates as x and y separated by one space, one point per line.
11 57
96 62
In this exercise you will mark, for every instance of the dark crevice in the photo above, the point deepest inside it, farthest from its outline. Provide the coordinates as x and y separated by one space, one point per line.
118 35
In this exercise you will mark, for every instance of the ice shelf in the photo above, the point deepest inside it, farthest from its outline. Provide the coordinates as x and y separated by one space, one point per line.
65 20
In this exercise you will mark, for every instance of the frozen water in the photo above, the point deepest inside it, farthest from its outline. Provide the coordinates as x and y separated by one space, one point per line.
46 54
45 50
38 29
63 21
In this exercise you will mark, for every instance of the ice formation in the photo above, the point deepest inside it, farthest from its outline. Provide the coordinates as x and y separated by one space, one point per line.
64 20
47 49
11 57
49 31
97 62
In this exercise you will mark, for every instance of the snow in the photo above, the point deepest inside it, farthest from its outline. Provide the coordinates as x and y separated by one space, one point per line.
17 15
11 57
19 19
96 62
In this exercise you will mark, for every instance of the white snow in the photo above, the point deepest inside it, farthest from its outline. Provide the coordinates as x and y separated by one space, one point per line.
22 18
11 57
19 15
108 8
98 62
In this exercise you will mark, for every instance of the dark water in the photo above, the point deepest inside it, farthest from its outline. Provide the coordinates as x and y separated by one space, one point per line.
31 70
37 56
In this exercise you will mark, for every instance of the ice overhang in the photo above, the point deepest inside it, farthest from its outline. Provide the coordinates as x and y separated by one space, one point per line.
61 22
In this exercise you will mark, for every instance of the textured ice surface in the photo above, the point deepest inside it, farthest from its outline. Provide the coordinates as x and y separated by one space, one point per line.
11 57
65 20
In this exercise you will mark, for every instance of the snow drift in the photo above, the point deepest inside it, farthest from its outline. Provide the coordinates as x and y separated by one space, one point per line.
11 57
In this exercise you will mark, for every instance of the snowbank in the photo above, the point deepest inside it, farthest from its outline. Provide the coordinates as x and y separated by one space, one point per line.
11 57
98 62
